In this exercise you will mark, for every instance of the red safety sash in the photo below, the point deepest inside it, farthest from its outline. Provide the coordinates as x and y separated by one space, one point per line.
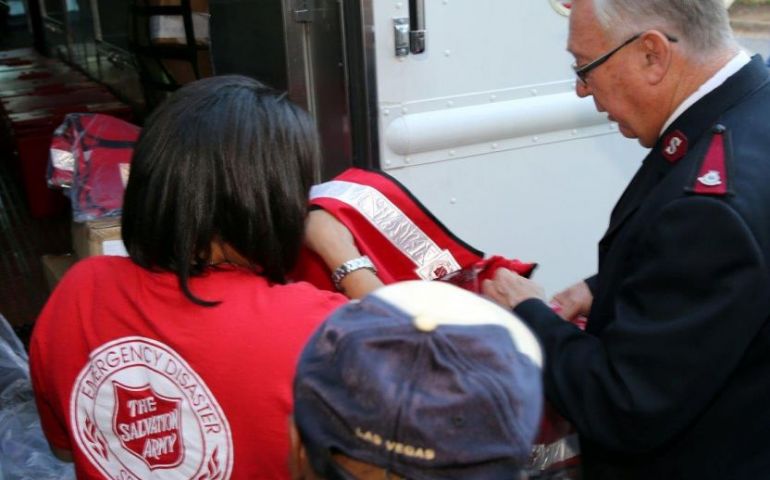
404 240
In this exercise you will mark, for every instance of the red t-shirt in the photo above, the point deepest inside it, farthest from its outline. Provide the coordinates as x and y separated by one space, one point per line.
139 382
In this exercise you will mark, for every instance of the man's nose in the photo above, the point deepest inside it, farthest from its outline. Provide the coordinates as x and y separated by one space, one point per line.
582 89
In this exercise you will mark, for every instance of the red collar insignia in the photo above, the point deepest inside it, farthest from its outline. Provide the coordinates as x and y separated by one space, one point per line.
674 146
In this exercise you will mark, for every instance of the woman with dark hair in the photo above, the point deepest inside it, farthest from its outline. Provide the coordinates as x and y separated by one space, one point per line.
177 362
229 162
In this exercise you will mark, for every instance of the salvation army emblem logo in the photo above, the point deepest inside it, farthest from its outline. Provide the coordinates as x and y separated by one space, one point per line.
440 271
148 425
138 410
712 178
441 264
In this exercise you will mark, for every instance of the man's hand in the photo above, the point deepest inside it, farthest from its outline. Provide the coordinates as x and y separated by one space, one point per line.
574 301
510 289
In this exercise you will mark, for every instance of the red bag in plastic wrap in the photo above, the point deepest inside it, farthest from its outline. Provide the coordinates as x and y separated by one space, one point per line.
90 156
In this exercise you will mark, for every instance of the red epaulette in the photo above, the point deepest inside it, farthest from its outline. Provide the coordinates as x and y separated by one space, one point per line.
713 176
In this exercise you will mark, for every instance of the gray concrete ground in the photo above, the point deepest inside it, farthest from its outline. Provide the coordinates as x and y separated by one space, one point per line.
756 45
752 27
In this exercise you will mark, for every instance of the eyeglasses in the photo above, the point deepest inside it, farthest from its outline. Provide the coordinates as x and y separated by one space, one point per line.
583 71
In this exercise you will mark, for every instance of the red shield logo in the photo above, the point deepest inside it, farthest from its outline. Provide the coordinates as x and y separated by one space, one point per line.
440 271
149 425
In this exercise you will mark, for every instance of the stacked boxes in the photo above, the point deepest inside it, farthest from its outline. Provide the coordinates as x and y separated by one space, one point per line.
97 237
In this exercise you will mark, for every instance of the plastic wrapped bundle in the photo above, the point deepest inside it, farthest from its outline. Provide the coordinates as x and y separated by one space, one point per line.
24 451
90 155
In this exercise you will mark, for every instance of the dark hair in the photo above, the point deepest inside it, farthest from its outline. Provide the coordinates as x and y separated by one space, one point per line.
222 158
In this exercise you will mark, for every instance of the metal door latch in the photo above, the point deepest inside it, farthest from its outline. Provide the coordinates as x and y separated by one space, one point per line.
401 35
409 33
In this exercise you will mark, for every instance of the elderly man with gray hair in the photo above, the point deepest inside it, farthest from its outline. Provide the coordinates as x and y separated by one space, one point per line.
671 379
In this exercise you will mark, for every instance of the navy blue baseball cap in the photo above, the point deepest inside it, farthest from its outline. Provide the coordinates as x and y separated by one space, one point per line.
424 380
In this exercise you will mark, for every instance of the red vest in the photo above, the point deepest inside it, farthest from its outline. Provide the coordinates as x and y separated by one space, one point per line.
401 237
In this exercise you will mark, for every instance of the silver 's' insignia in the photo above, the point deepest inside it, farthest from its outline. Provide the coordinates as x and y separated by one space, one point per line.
673 145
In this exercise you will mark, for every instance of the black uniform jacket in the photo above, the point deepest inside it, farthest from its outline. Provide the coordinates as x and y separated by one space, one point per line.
672 377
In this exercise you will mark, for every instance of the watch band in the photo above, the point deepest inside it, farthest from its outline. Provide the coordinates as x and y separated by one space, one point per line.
349 267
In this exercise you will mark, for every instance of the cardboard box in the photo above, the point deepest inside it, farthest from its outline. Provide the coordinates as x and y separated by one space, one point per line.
55 266
98 237
169 29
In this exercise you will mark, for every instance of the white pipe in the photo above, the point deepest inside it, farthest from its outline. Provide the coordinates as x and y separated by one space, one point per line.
455 127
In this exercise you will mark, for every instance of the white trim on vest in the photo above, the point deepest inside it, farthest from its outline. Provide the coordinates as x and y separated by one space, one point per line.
392 223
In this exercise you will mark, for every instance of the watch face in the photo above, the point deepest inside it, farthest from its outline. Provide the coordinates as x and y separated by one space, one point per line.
561 6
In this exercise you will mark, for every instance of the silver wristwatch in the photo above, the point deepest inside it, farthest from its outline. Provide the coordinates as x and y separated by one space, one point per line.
349 267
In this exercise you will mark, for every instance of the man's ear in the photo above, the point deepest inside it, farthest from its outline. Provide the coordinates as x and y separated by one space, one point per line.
658 53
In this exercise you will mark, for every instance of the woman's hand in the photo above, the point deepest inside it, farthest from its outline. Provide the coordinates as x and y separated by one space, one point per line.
330 239
334 243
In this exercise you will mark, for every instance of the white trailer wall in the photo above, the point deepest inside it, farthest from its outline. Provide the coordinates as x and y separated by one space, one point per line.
485 129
